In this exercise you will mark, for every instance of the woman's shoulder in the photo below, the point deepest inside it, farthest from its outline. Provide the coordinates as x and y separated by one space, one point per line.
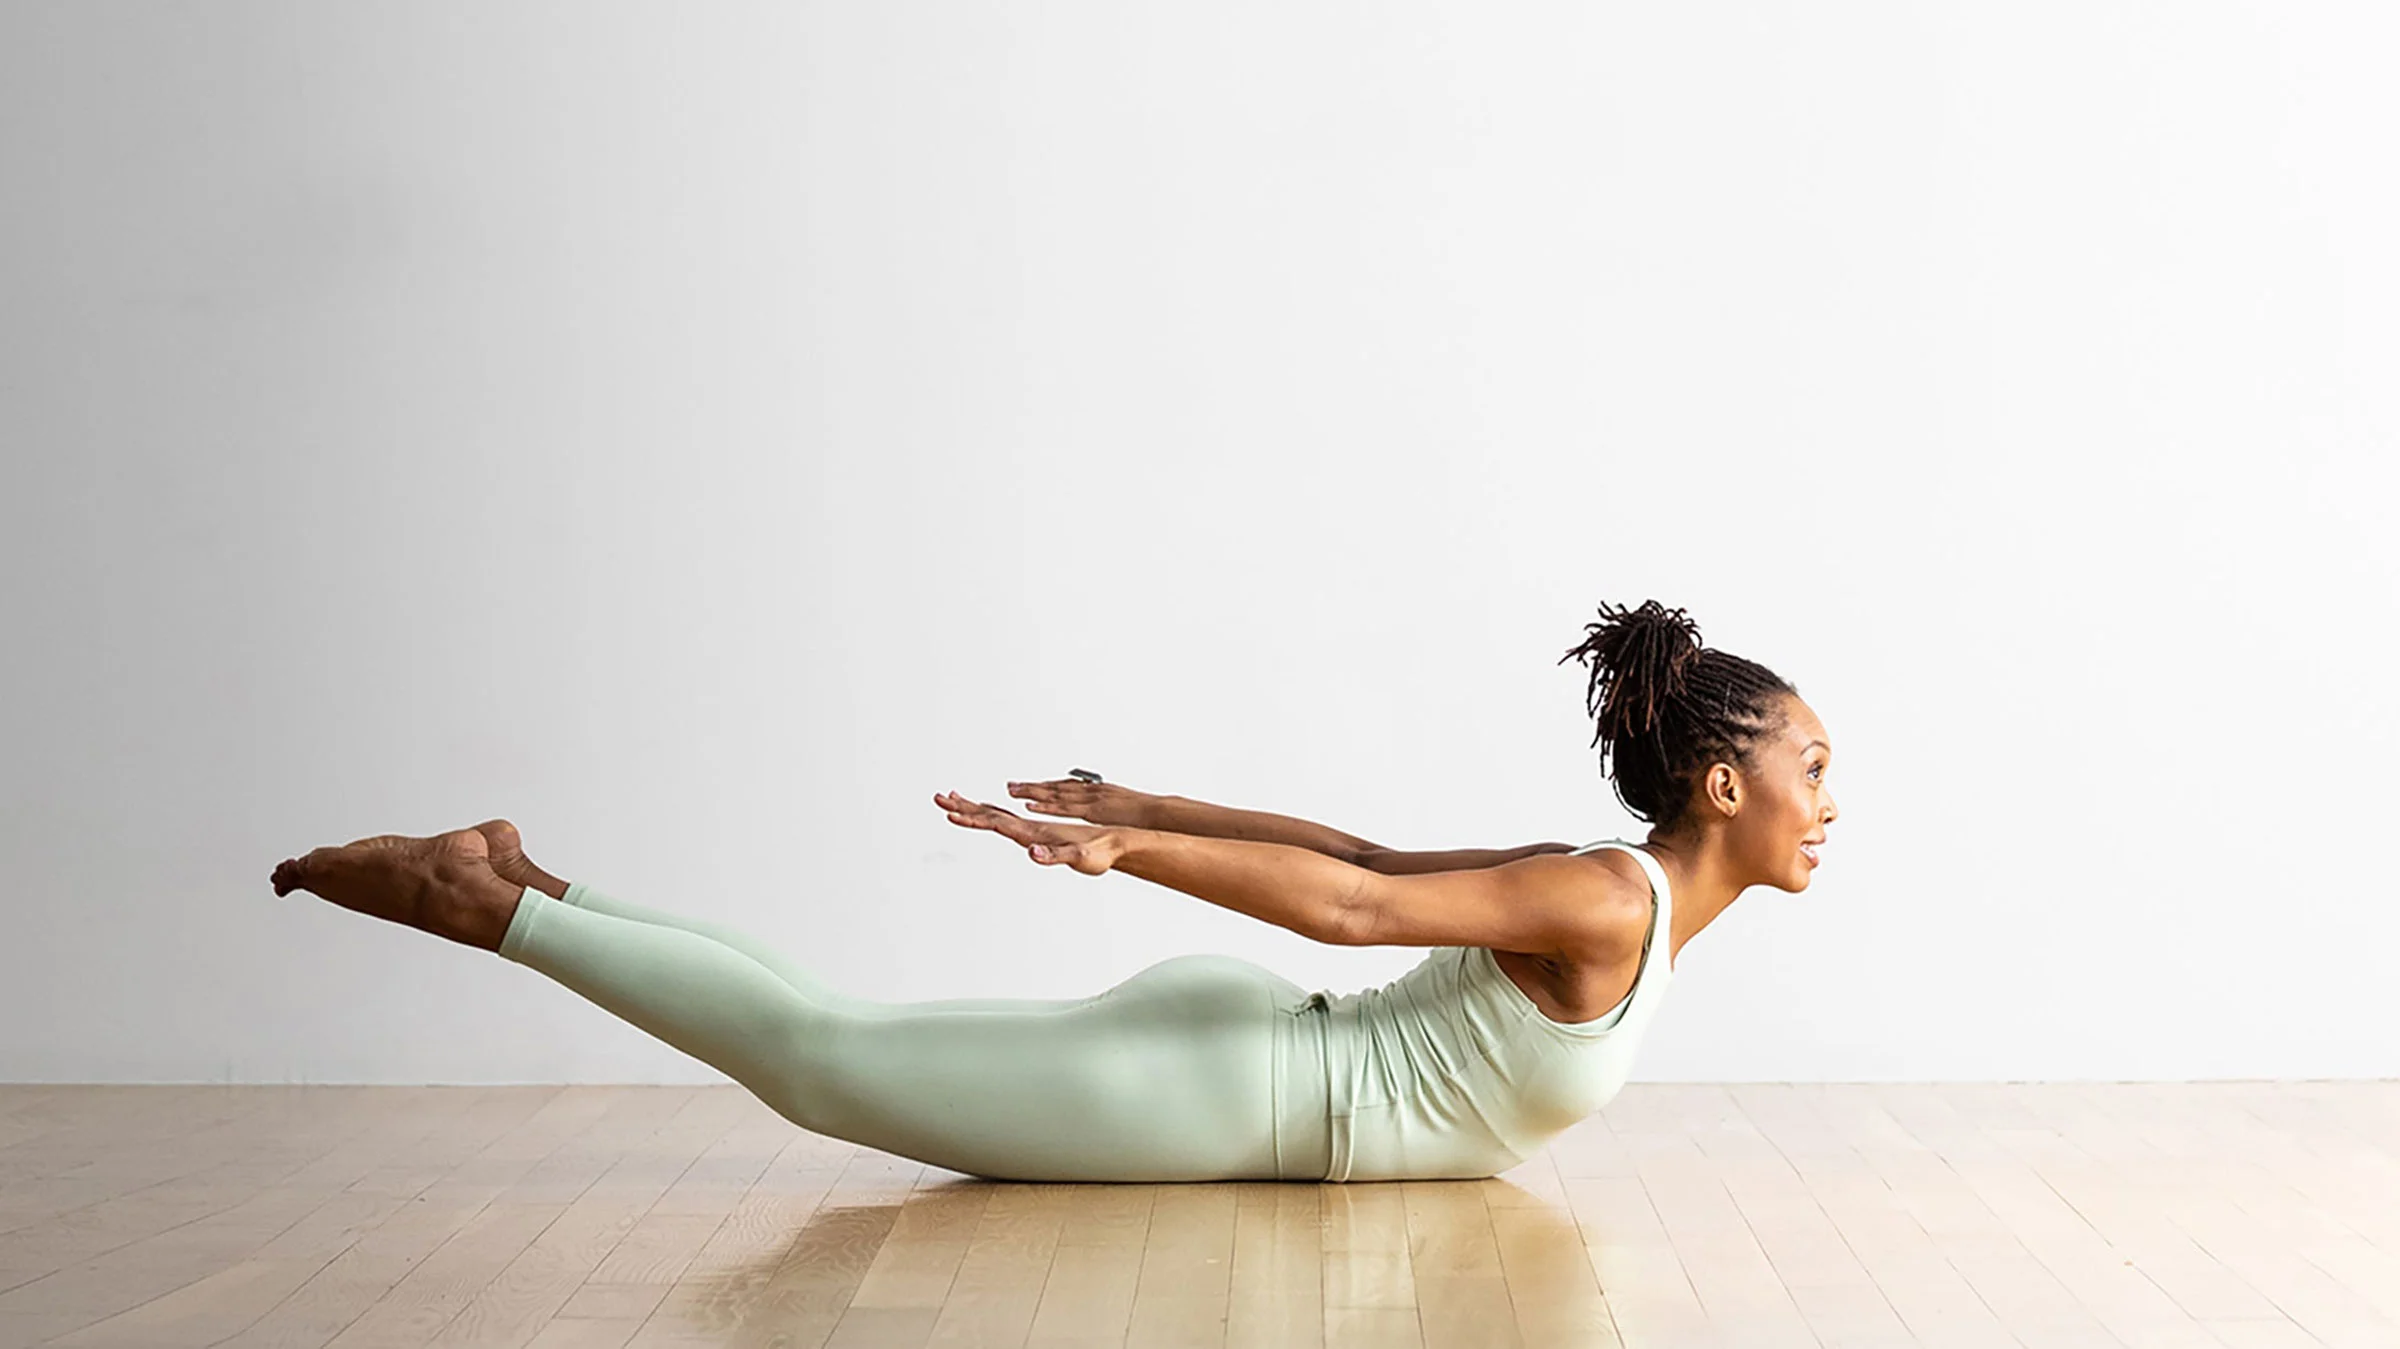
1621 905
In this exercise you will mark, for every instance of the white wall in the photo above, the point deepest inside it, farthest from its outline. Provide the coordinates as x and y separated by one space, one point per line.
701 435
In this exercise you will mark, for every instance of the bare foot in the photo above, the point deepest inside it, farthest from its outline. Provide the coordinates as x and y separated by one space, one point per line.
444 885
509 859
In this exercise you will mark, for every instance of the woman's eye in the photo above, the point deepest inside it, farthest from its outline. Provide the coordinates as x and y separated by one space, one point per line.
1818 768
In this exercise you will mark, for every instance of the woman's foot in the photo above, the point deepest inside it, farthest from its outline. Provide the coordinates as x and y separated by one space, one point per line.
444 885
509 859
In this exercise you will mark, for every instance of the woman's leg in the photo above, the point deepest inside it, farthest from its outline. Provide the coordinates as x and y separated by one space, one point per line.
1197 1068
790 971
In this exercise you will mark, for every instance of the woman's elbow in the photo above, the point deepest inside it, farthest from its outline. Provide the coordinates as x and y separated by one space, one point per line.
1350 919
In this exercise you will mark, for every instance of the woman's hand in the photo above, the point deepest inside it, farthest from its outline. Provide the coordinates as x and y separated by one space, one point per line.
1086 848
1099 802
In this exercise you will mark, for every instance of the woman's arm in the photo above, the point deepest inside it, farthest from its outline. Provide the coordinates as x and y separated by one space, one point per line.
1540 905
1183 815
1119 806
1292 887
1536 904
1386 862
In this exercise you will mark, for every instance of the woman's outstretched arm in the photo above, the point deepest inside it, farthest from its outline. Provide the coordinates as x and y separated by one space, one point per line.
1182 815
1203 819
1292 887
1529 905
1538 904
1116 804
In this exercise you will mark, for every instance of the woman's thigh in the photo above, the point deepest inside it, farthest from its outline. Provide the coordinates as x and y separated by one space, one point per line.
1182 1072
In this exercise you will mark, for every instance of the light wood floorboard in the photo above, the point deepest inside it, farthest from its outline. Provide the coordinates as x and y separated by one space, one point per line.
2254 1215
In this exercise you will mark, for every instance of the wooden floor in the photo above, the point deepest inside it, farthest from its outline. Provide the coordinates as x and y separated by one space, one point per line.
2252 1215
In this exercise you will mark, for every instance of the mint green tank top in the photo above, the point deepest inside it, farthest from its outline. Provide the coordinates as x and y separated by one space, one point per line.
1450 1071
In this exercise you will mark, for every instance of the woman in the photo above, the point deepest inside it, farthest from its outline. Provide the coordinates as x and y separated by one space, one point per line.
1548 962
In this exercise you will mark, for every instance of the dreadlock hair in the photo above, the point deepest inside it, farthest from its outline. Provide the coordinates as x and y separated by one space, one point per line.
1668 708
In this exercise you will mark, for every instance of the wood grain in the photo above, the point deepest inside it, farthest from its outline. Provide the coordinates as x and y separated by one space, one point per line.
2205 1214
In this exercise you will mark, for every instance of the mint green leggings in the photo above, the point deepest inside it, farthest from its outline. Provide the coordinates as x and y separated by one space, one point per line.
1201 1067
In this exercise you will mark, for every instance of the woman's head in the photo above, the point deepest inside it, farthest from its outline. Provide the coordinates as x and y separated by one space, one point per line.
1701 742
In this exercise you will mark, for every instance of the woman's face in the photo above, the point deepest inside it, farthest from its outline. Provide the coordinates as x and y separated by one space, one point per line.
1789 803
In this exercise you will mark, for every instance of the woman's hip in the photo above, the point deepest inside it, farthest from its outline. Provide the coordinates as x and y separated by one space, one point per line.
1200 1067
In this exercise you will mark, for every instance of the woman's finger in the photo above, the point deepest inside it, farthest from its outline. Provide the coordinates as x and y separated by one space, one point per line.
1016 828
992 817
1064 789
998 824
974 813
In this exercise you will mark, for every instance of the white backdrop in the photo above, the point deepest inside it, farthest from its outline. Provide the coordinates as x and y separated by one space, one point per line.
700 435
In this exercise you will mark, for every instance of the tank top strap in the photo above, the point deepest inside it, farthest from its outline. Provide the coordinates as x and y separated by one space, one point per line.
1661 941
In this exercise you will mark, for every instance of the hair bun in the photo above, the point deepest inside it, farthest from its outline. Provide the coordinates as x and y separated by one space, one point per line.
1641 661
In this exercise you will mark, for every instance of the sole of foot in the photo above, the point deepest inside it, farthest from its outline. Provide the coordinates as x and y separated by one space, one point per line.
443 884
